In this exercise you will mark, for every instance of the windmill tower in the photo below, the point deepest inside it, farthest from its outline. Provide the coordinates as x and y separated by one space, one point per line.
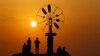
50 19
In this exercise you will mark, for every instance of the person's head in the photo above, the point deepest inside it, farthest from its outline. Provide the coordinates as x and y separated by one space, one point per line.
36 38
63 47
28 38
24 44
59 47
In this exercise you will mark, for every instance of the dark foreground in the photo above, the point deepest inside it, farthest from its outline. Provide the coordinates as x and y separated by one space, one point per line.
31 54
26 51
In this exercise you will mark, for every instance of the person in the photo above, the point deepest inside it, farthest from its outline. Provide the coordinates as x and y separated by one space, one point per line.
29 45
59 51
64 52
24 49
37 42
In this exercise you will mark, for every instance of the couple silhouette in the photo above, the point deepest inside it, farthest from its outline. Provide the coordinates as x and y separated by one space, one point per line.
27 46
62 52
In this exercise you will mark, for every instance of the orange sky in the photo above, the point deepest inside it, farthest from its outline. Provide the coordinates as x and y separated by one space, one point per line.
80 32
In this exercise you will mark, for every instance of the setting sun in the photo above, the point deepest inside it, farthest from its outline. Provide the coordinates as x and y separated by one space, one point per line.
33 24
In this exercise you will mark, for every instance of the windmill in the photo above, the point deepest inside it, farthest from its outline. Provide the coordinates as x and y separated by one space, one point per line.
50 18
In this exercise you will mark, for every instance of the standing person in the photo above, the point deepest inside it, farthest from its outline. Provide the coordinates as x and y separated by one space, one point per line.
59 51
24 50
64 52
37 42
29 45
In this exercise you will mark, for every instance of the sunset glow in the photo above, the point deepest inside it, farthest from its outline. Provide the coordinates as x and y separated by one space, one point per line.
79 33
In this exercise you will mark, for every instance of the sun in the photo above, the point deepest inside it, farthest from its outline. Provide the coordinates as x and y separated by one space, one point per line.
33 24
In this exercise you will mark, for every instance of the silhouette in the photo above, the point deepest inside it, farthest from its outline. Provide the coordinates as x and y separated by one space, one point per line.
62 52
24 48
59 51
29 45
51 23
26 51
37 42
27 48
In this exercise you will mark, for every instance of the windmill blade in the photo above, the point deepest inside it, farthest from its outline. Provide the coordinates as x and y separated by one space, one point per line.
56 25
49 8
43 10
57 20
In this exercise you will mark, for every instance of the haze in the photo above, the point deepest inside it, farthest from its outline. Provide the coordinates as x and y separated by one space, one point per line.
80 32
